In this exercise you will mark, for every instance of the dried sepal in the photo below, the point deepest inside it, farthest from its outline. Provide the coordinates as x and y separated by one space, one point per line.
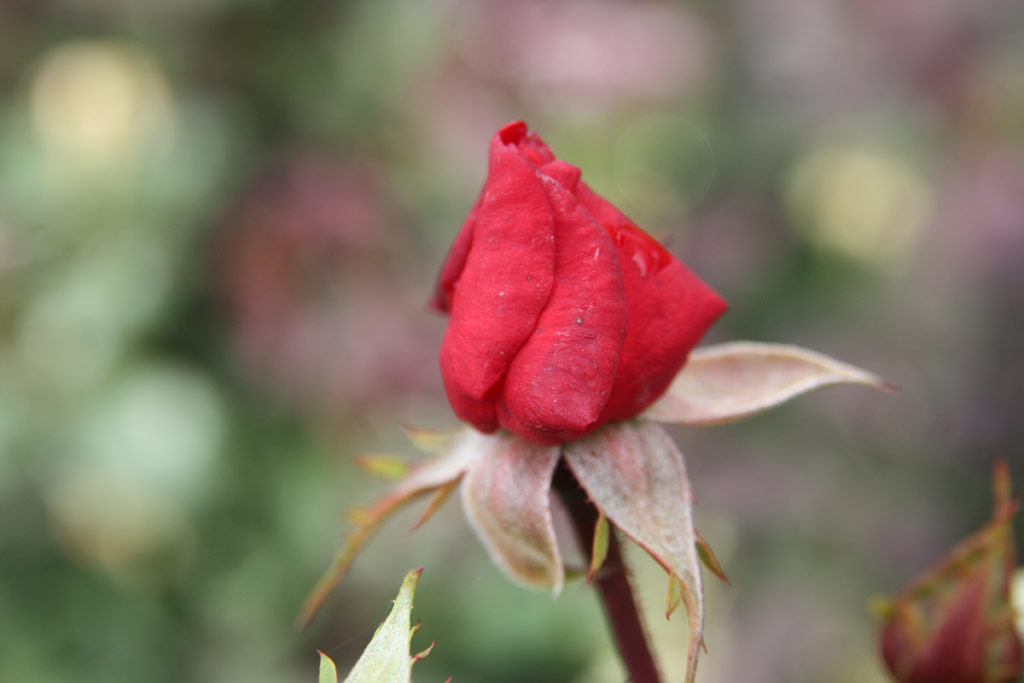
430 440
357 515
956 622
386 659
599 549
727 382
635 475
384 466
505 497
428 476
441 494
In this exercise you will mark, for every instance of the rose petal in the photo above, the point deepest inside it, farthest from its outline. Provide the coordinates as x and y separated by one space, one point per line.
669 307
730 381
454 263
504 286
505 496
530 145
636 477
562 376
430 475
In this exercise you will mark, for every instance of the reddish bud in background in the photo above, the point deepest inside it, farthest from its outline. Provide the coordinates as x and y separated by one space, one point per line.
955 623
564 314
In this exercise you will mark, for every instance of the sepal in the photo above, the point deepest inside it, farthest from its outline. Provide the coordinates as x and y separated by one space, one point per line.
728 382
635 476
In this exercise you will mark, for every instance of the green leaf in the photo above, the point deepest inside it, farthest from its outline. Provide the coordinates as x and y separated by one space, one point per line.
386 659
328 672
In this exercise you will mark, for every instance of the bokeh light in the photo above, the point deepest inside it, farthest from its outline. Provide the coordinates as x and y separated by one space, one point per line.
100 102
860 201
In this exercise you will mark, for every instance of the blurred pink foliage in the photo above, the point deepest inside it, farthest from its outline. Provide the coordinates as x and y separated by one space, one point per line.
306 253
599 51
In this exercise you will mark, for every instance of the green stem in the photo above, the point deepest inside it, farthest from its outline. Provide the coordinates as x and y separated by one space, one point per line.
612 582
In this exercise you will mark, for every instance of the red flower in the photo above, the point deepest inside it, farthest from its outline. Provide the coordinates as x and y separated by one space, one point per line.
564 314
955 624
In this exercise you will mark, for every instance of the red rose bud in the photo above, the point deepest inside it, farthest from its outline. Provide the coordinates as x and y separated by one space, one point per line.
955 624
564 314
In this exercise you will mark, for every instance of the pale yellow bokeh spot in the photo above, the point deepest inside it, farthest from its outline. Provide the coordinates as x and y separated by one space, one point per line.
108 520
860 201
99 101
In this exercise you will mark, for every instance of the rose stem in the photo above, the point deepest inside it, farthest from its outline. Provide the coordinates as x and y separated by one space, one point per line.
612 582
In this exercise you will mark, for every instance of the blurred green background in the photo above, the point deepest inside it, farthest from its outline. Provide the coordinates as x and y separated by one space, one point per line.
219 222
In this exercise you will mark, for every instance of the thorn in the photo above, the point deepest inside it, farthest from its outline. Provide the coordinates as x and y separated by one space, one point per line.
424 652
708 559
